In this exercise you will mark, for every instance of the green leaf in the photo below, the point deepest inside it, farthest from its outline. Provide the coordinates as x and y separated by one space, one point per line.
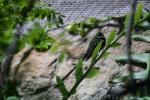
73 29
126 21
75 91
144 25
20 44
34 36
92 21
137 76
82 32
61 86
105 55
111 37
143 38
54 20
65 42
93 72
61 57
55 47
138 12
145 13
96 51
78 70
115 45
10 88
137 59
12 98
60 20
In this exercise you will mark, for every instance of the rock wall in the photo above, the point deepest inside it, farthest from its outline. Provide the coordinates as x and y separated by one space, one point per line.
37 73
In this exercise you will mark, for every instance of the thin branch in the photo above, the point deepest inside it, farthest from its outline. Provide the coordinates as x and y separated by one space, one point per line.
118 19
101 26
92 65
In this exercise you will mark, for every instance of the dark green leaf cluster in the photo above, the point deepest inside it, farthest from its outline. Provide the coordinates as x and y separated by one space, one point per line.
37 38
20 12
10 91
86 26
141 18
9 17
14 14
41 11
83 28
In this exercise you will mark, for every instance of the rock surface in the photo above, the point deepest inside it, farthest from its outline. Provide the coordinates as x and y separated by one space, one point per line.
38 72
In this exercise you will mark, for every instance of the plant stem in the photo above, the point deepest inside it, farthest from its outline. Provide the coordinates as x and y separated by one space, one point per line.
92 65
129 42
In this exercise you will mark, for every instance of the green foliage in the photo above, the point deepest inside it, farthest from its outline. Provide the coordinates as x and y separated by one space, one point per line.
61 86
137 98
79 70
12 98
14 14
10 90
55 46
111 37
115 45
96 51
138 13
105 55
58 44
82 32
92 22
145 25
142 60
93 72
136 58
61 57
141 22
143 38
73 29
42 11
38 38
126 21
84 27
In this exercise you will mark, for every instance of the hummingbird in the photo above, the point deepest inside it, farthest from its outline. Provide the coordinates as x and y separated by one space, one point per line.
99 37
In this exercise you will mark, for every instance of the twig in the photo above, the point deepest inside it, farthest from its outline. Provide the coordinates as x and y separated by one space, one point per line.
92 65
118 19
101 26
